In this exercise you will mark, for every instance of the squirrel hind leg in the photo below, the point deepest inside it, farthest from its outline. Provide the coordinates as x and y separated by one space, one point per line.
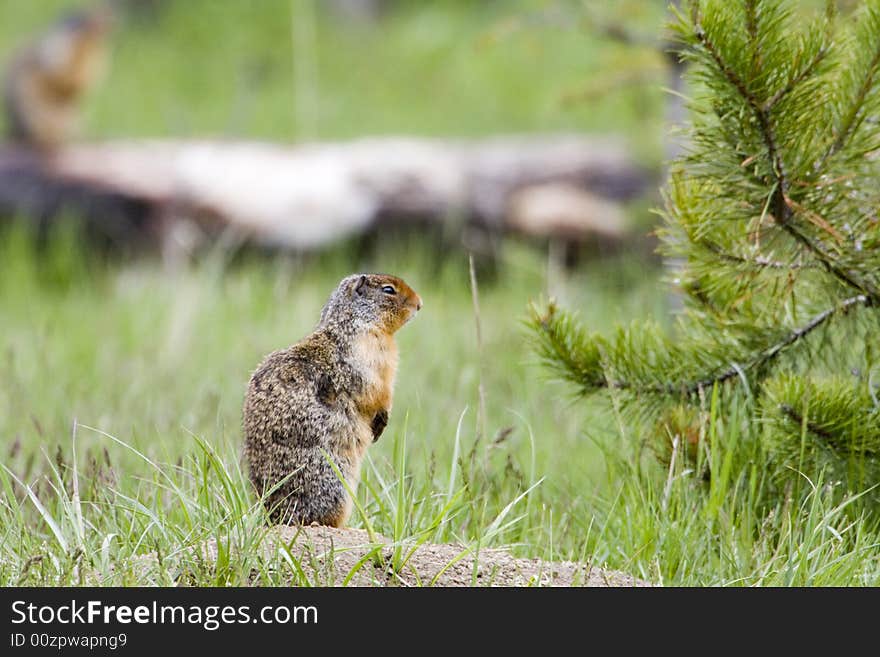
330 508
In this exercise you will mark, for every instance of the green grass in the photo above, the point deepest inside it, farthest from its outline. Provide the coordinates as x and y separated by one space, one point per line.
159 361
122 383
121 400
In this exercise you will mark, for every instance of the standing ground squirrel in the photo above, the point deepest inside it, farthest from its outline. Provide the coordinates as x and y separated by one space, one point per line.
327 396
46 80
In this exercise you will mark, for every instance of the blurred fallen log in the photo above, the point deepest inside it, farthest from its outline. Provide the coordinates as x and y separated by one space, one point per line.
308 196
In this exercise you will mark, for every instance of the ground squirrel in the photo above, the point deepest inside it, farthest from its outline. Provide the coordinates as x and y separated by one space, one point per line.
327 396
46 80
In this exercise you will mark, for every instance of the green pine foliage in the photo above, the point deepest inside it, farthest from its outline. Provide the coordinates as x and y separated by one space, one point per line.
773 215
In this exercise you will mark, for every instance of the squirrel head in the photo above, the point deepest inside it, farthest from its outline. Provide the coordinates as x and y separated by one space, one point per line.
74 50
370 301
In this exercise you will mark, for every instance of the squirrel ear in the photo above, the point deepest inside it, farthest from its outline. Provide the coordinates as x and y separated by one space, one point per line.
360 284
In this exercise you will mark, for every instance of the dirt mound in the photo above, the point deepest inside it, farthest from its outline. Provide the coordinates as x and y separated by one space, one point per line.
334 557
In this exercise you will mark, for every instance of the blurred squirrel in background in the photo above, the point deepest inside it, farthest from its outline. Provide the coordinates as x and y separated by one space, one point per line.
47 78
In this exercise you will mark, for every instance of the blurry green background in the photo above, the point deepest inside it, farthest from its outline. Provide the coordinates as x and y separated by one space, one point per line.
154 355
294 69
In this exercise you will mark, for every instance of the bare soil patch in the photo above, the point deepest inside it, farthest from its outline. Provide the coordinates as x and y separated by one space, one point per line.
333 557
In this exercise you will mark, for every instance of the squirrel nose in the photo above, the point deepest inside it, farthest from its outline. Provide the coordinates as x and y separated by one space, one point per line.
418 303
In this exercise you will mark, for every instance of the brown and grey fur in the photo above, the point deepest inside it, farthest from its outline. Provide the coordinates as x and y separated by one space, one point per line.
46 80
327 396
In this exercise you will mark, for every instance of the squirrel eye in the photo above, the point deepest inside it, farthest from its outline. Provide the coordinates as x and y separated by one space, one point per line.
388 289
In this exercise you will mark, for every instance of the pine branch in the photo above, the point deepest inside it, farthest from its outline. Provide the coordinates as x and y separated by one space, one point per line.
781 246
806 72
564 346
817 321
724 67
789 412
834 409
766 355
850 123
751 12
758 262
780 205
825 425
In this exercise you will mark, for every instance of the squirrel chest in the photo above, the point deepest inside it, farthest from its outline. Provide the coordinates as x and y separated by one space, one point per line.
374 357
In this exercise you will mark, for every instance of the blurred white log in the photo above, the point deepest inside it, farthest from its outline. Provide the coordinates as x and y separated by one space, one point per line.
307 196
